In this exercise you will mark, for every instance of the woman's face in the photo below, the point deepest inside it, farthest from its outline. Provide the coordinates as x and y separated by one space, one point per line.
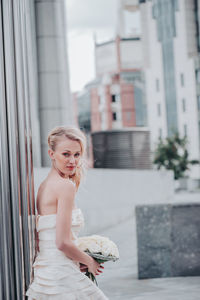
66 155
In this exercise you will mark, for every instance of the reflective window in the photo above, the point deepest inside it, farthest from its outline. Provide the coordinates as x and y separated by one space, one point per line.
198 76
198 102
182 79
183 105
165 13
113 98
160 133
159 109
185 129
114 116
157 85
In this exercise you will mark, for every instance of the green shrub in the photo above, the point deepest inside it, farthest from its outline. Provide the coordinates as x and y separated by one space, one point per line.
173 155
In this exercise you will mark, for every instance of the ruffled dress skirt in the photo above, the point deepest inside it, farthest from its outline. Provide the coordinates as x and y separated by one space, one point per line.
57 277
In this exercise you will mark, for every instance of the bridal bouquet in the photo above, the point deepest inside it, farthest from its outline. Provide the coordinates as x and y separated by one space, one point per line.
101 248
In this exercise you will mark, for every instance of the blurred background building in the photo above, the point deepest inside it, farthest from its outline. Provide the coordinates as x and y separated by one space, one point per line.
149 77
170 39
115 99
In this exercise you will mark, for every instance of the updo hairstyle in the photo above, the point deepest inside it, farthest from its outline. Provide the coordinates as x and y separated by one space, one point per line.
74 134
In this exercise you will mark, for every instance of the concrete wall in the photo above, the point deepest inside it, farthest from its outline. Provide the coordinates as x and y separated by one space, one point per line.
106 58
131 54
55 105
108 196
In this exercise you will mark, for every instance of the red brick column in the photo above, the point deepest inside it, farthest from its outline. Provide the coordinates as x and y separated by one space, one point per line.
128 105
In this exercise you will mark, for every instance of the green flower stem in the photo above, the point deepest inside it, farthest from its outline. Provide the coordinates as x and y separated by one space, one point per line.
91 276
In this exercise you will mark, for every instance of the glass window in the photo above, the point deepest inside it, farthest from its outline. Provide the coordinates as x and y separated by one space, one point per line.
140 106
159 109
157 85
117 97
160 133
183 105
198 76
185 129
198 102
199 129
113 98
154 12
114 116
182 79
166 31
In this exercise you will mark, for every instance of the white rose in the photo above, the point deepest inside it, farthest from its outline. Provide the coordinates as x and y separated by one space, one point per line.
96 243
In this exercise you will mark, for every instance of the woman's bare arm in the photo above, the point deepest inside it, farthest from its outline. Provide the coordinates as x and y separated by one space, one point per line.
65 202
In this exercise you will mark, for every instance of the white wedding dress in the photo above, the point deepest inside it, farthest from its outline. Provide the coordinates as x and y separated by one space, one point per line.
56 276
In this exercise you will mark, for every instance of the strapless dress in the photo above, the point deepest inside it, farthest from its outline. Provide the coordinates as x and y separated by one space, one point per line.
56 276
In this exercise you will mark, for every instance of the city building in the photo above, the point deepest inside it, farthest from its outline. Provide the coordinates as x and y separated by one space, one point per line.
115 99
170 39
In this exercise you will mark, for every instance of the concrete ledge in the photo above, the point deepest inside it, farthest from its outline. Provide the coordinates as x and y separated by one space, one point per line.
168 238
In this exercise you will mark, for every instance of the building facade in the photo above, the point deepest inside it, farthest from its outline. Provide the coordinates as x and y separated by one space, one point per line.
54 103
115 99
171 67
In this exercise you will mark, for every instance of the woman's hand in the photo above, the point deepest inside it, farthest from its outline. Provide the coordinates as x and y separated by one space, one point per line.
95 267
83 268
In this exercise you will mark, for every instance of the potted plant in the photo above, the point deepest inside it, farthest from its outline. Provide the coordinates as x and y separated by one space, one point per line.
172 154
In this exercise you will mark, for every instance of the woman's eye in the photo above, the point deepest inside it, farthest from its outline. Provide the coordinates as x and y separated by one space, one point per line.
77 154
66 154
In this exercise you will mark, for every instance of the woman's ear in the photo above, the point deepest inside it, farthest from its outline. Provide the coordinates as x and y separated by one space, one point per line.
51 153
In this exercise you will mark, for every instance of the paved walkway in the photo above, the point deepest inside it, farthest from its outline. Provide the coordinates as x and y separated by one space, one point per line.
119 280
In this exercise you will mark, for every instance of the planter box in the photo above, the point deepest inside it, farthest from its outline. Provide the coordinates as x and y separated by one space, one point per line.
168 240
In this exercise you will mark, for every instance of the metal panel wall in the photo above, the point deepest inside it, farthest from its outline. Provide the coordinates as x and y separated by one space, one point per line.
122 149
17 228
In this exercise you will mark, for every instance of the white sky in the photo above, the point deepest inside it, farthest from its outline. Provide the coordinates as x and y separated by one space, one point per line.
86 19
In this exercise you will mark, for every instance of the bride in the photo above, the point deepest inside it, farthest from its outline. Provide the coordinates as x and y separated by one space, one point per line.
59 264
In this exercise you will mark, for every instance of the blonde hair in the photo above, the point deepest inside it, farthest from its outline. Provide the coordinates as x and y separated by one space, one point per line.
75 134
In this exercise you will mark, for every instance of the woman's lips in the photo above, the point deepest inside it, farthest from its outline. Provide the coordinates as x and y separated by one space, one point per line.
71 168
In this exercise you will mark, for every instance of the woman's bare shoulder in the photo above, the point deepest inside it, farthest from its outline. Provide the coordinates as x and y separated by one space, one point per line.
51 189
58 185
65 185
